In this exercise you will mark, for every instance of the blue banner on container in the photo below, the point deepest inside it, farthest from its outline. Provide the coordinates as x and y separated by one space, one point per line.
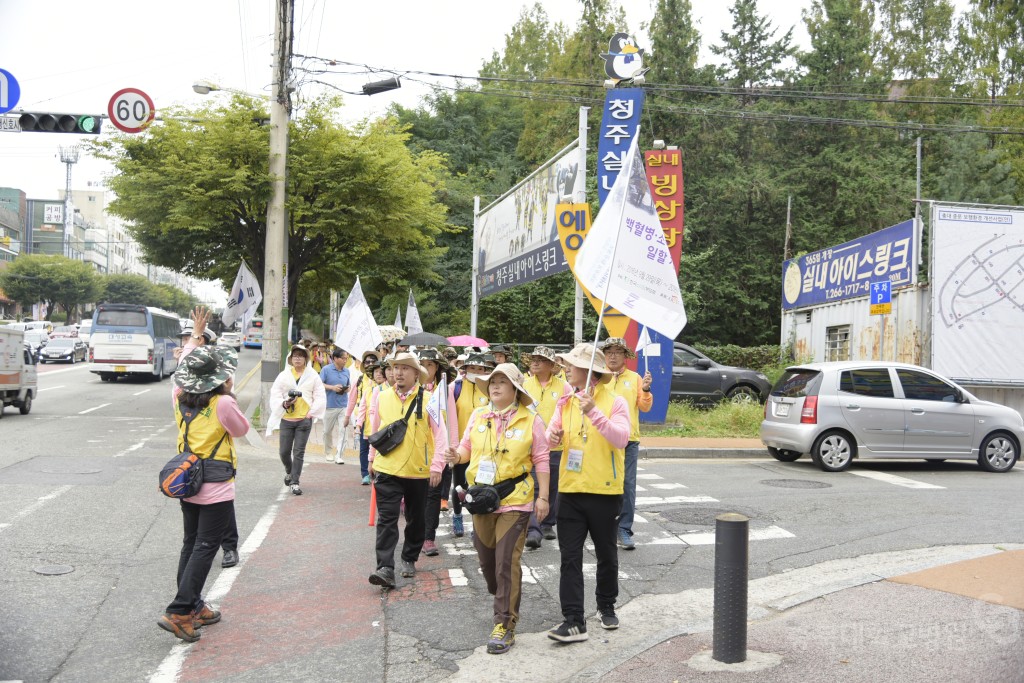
846 271
622 107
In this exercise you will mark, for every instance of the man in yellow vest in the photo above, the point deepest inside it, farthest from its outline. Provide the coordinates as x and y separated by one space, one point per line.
592 428
545 388
358 395
637 392
406 472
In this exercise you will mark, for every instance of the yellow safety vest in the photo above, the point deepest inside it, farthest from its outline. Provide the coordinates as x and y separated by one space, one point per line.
546 397
412 457
603 464
204 432
470 398
627 385
515 458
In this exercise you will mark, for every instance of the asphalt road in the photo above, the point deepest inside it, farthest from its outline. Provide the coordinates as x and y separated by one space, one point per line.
78 492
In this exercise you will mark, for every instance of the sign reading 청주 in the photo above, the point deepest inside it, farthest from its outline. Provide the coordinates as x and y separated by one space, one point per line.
622 108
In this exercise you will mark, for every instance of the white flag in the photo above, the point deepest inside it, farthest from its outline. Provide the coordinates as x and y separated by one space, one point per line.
398 318
437 406
644 341
357 331
412 317
625 254
244 298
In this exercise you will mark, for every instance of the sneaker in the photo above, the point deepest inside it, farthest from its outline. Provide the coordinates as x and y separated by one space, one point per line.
608 619
408 569
366 480
288 479
327 455
626 540
444 504
429 548
457 527
384 577
338 460
502 640
548 533
296 491
180 625
205 616
569 632
533 539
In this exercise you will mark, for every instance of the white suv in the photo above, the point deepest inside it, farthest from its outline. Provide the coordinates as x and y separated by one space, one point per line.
844 410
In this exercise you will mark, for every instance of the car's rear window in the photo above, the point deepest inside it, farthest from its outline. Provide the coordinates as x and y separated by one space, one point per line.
867 382
798 383
121 318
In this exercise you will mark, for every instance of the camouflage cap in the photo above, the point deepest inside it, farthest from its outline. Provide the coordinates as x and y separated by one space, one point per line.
501 348
542 352
619 342
484 360
206 368
450 353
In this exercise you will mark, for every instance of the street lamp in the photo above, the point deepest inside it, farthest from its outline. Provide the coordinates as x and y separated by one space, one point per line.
205 87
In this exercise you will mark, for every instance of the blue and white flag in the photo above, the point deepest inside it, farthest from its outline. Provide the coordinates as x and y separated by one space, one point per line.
244 298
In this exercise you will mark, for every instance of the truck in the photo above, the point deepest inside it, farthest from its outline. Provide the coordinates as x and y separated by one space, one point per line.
18 378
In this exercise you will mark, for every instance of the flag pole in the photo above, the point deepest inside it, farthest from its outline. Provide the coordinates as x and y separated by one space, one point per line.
615 249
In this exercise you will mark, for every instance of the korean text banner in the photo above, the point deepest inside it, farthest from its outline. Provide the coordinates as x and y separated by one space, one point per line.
622 108
516 237
847 270
977 300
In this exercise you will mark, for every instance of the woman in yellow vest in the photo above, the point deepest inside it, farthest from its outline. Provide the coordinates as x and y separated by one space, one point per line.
592 428
545 388
504 441
468 397
297 399
208 419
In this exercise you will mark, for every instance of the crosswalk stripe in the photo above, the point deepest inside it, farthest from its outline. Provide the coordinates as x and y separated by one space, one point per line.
457 577
708 538
655 500
894 480
539 573
667 487
649 476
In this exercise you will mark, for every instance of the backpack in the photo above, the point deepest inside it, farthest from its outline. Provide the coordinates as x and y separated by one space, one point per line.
183 475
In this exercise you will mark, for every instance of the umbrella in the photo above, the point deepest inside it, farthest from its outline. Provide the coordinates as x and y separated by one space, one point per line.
466 340
423 339
391 333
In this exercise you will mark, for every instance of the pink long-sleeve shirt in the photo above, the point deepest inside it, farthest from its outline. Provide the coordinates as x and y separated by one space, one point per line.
540 452
615 427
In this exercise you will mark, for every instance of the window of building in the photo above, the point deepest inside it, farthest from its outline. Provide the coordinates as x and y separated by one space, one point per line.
837 343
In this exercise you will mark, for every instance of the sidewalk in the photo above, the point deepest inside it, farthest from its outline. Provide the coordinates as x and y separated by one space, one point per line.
692 447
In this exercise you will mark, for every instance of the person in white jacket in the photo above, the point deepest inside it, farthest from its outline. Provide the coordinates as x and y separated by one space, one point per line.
297 399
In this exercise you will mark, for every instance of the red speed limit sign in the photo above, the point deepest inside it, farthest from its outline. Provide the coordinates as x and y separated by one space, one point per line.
131 110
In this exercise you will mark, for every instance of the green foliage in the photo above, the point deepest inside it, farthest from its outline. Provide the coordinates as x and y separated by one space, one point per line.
726 420
120 288
51 280
58 317
753 357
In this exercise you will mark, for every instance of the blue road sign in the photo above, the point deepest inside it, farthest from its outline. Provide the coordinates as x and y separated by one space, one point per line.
881 292
10 91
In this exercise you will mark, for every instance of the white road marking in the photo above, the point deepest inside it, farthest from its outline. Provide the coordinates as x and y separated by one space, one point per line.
142 392
141 443
667 487
458 577
537 574
39 502
638 519
170 668
640 488
708 538
649 476
47 389
57 372
894 480
655 500
89 410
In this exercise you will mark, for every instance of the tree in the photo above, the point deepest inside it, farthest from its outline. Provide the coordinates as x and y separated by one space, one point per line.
917 37
752 57
126 289
973 173
52 280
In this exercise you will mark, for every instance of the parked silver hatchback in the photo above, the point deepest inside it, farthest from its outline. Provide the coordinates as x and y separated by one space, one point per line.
858 409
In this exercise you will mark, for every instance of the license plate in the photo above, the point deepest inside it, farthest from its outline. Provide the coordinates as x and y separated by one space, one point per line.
120 368
781 410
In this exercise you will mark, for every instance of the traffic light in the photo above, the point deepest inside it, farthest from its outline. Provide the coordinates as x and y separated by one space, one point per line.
81 124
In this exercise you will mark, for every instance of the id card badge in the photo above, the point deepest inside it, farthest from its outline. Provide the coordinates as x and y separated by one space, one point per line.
575 461
486 473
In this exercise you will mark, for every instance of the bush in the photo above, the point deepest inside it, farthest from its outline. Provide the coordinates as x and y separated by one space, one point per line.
754 357
59 317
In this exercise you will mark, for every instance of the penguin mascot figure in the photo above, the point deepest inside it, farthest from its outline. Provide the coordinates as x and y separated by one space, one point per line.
624 61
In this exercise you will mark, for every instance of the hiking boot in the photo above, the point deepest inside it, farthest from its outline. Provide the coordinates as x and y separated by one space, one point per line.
533 539
230 559
548 533
180 625
608 619
205 616
569 632
502 640
626 540
296 491
408 569
384 577
429 548
457 527
366 480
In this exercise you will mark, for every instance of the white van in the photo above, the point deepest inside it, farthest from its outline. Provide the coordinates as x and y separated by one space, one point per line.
85 329
17 371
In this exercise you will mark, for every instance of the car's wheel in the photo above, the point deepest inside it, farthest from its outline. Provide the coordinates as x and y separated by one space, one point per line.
783 455
998 453
73 359
26 405
743 394
833 451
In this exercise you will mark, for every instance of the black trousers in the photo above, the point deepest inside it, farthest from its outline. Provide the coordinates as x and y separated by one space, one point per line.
578 515
204 528
391 491
230 540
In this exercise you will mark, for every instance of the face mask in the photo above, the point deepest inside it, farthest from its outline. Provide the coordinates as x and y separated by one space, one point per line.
471 376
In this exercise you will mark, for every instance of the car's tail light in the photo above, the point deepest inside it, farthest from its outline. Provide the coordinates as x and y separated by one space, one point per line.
92 355
149 357
809 414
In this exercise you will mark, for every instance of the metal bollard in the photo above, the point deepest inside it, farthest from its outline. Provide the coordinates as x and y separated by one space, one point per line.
731 558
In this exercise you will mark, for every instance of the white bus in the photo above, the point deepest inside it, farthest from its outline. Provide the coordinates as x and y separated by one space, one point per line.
131 339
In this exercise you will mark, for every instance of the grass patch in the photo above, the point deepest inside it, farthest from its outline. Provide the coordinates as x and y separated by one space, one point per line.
726 420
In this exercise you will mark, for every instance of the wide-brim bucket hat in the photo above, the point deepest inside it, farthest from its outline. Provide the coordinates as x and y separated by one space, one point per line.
410 359
619 342
206 368
514 375
438 357
298 348
582 356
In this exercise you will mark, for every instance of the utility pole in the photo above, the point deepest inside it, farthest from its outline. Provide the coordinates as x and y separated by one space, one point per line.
275 273
69 157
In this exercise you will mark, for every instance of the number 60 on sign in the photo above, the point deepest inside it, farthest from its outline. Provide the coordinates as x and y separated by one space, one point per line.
131 110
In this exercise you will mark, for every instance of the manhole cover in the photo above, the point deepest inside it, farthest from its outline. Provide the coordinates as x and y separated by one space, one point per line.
71 471
796 484
53 569
701 516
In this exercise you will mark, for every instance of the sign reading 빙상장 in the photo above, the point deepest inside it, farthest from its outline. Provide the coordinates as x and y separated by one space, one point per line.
665 176
847 270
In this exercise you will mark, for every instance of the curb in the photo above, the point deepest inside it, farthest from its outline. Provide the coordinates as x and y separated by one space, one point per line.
707 453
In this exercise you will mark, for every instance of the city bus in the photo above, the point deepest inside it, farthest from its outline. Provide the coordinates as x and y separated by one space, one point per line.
254 334
129 339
